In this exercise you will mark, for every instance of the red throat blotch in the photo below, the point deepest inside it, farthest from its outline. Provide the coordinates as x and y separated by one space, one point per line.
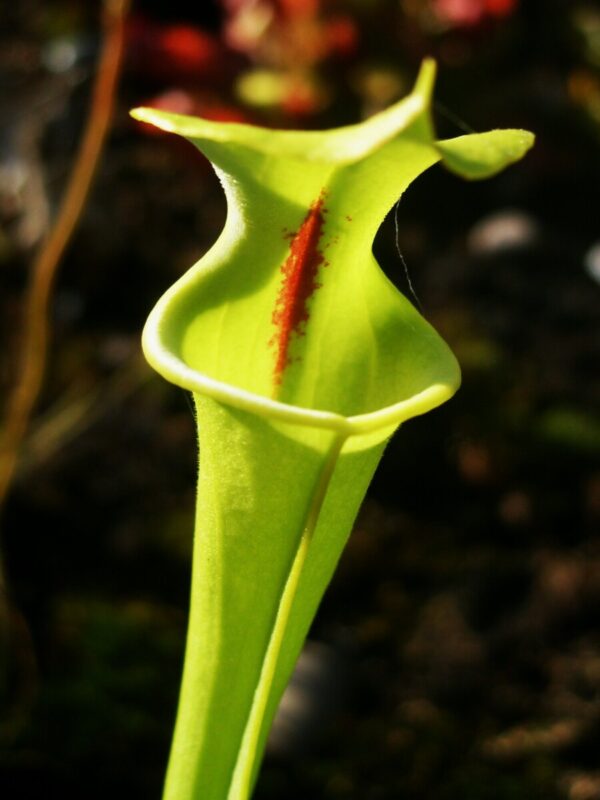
299 282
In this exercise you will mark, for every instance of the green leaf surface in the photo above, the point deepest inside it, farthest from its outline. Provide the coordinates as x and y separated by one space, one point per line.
303 359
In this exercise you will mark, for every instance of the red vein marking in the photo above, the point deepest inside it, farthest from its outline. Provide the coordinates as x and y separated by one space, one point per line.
299 282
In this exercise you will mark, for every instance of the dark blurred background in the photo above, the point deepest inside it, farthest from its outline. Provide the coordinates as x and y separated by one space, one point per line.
457 651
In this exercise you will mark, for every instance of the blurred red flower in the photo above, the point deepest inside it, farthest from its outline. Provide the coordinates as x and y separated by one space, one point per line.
470 13
175 52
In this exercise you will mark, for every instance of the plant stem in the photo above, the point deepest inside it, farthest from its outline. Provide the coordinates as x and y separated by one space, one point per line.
215 755
245 768
34 347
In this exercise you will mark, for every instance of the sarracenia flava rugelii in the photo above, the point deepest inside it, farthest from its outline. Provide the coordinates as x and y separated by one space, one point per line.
303 359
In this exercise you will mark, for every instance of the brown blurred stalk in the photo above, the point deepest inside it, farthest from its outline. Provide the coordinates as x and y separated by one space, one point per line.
31 363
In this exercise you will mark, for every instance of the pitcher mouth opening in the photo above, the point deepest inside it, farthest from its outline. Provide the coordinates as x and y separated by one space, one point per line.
174 369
